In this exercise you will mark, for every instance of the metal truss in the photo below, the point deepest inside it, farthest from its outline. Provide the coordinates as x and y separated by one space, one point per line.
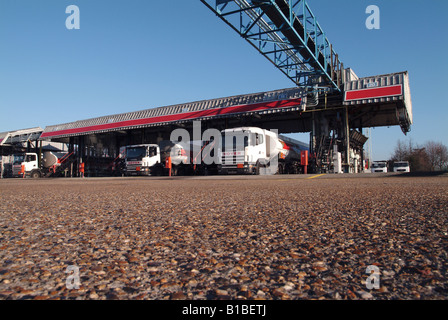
287 33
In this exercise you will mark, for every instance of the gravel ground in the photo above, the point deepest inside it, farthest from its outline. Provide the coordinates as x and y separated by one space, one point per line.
232 238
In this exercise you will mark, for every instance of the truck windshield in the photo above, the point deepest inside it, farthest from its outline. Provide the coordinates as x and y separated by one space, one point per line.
135 153
401 164
19 158
235 141
378 165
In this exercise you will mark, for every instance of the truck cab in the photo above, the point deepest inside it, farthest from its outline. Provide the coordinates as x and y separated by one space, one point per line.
379 166
25 164
149 159
141 158
246 150
401 166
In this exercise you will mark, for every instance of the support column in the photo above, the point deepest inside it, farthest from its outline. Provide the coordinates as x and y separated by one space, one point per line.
362 153
347 141
71 148
81 151
39 153
313 133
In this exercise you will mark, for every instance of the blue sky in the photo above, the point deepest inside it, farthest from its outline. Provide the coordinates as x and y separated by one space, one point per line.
137 54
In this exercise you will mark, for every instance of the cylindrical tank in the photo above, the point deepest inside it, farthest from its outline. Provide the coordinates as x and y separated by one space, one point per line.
288 151
51 158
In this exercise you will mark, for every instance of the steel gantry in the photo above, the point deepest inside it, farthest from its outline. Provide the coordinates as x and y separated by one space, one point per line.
287 33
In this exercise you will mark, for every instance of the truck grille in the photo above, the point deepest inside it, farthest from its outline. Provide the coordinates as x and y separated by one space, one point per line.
232 157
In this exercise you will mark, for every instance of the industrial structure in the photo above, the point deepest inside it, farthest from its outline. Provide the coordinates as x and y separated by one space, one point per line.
327 100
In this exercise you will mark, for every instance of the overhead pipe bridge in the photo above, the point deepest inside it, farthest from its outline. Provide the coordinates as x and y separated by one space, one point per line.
287 33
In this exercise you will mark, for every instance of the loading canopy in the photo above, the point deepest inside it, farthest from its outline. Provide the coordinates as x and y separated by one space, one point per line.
376 101
292 99
20 136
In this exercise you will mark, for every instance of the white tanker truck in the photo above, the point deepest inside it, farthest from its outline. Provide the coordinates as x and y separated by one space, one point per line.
251 150
27 164
151 159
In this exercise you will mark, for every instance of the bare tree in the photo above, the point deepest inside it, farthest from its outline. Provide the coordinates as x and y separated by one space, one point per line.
432 156
418 160
401 151
437 156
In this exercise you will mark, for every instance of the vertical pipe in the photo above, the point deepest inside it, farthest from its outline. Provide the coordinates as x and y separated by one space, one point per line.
347 140
80 153
362 152
313 133
71 148
39 154
313 141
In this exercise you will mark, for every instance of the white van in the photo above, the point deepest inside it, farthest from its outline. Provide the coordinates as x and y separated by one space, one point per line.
402 166
379 166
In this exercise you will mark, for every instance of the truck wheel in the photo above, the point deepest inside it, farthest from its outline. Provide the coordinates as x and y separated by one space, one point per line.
257 169
35 174
181 171
158 171
281 169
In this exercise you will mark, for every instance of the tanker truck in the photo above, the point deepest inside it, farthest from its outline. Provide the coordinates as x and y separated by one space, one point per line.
252 150
27 164
149 159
